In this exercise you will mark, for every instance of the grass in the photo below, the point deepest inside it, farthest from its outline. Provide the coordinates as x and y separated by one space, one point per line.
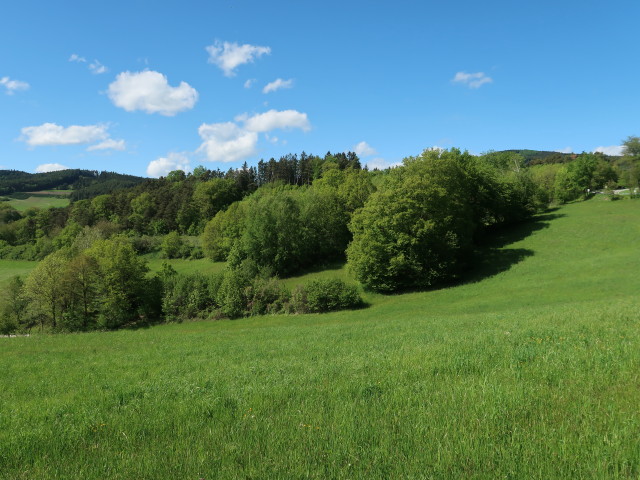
42 199
11 268
183 266
528 370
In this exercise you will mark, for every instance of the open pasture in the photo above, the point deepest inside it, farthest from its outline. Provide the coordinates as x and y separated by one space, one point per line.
42 199
529 369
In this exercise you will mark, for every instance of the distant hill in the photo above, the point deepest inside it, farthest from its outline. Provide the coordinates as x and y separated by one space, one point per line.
84 183
539 157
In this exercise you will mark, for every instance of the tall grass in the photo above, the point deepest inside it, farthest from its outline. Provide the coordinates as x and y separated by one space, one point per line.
527 370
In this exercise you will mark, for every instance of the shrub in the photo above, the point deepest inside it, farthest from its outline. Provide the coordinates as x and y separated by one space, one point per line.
265 295
327 295
187 296
172 245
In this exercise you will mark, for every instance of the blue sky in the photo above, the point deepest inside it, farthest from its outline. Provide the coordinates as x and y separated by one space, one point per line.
147 87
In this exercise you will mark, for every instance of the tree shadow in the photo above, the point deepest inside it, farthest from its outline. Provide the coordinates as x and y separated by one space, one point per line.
491 257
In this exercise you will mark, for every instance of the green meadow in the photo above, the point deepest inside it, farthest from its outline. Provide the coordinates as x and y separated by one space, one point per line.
529 368
42 199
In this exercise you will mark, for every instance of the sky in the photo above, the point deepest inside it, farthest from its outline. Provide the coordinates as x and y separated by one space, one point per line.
143 87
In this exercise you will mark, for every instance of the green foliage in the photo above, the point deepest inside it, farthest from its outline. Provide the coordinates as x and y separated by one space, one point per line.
189 296
225 229
272 236
172 246
414 231
120 281
13 310
215 195
326 295
631 146
497 378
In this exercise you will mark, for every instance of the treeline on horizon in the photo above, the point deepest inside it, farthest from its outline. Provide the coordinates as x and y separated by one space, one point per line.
413 226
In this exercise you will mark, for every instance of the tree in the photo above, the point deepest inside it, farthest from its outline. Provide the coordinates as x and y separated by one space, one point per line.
631 146
13 310
45 289
221 232
272 237
172 245
416 229
121 282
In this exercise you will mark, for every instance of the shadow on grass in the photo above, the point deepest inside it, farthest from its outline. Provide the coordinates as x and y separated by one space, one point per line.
491 257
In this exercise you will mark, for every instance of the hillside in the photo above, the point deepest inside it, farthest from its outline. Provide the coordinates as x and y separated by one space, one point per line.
527 370
85 183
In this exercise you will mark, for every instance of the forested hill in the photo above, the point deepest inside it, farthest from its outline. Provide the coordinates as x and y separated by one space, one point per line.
542 157
85 183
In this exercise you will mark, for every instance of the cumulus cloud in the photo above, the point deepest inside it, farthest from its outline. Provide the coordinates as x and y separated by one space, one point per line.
50 167
363 149
162 166
233 141
249 83
108 144
13 86
613 150
52 134
472 80
227 142
277 85
273 119
228 56
77 58
150 92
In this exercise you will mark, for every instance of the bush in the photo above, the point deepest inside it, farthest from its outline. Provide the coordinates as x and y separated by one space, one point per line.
172 245
265 295
188 296
324 295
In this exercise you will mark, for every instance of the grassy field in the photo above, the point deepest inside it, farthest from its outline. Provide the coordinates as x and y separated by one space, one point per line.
42 199
11 268
531 369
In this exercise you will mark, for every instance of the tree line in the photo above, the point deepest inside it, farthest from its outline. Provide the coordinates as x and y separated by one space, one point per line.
413 226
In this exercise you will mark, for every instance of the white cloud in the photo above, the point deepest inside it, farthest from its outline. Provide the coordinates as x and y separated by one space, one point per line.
162 166
363 149
565 150
230 142
50 167
277 85
273 119
227 142
249 83
52 134
614 150
228 56
472 80
77 58
13 86
108 144
381 164
97 68
270 139
150 92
